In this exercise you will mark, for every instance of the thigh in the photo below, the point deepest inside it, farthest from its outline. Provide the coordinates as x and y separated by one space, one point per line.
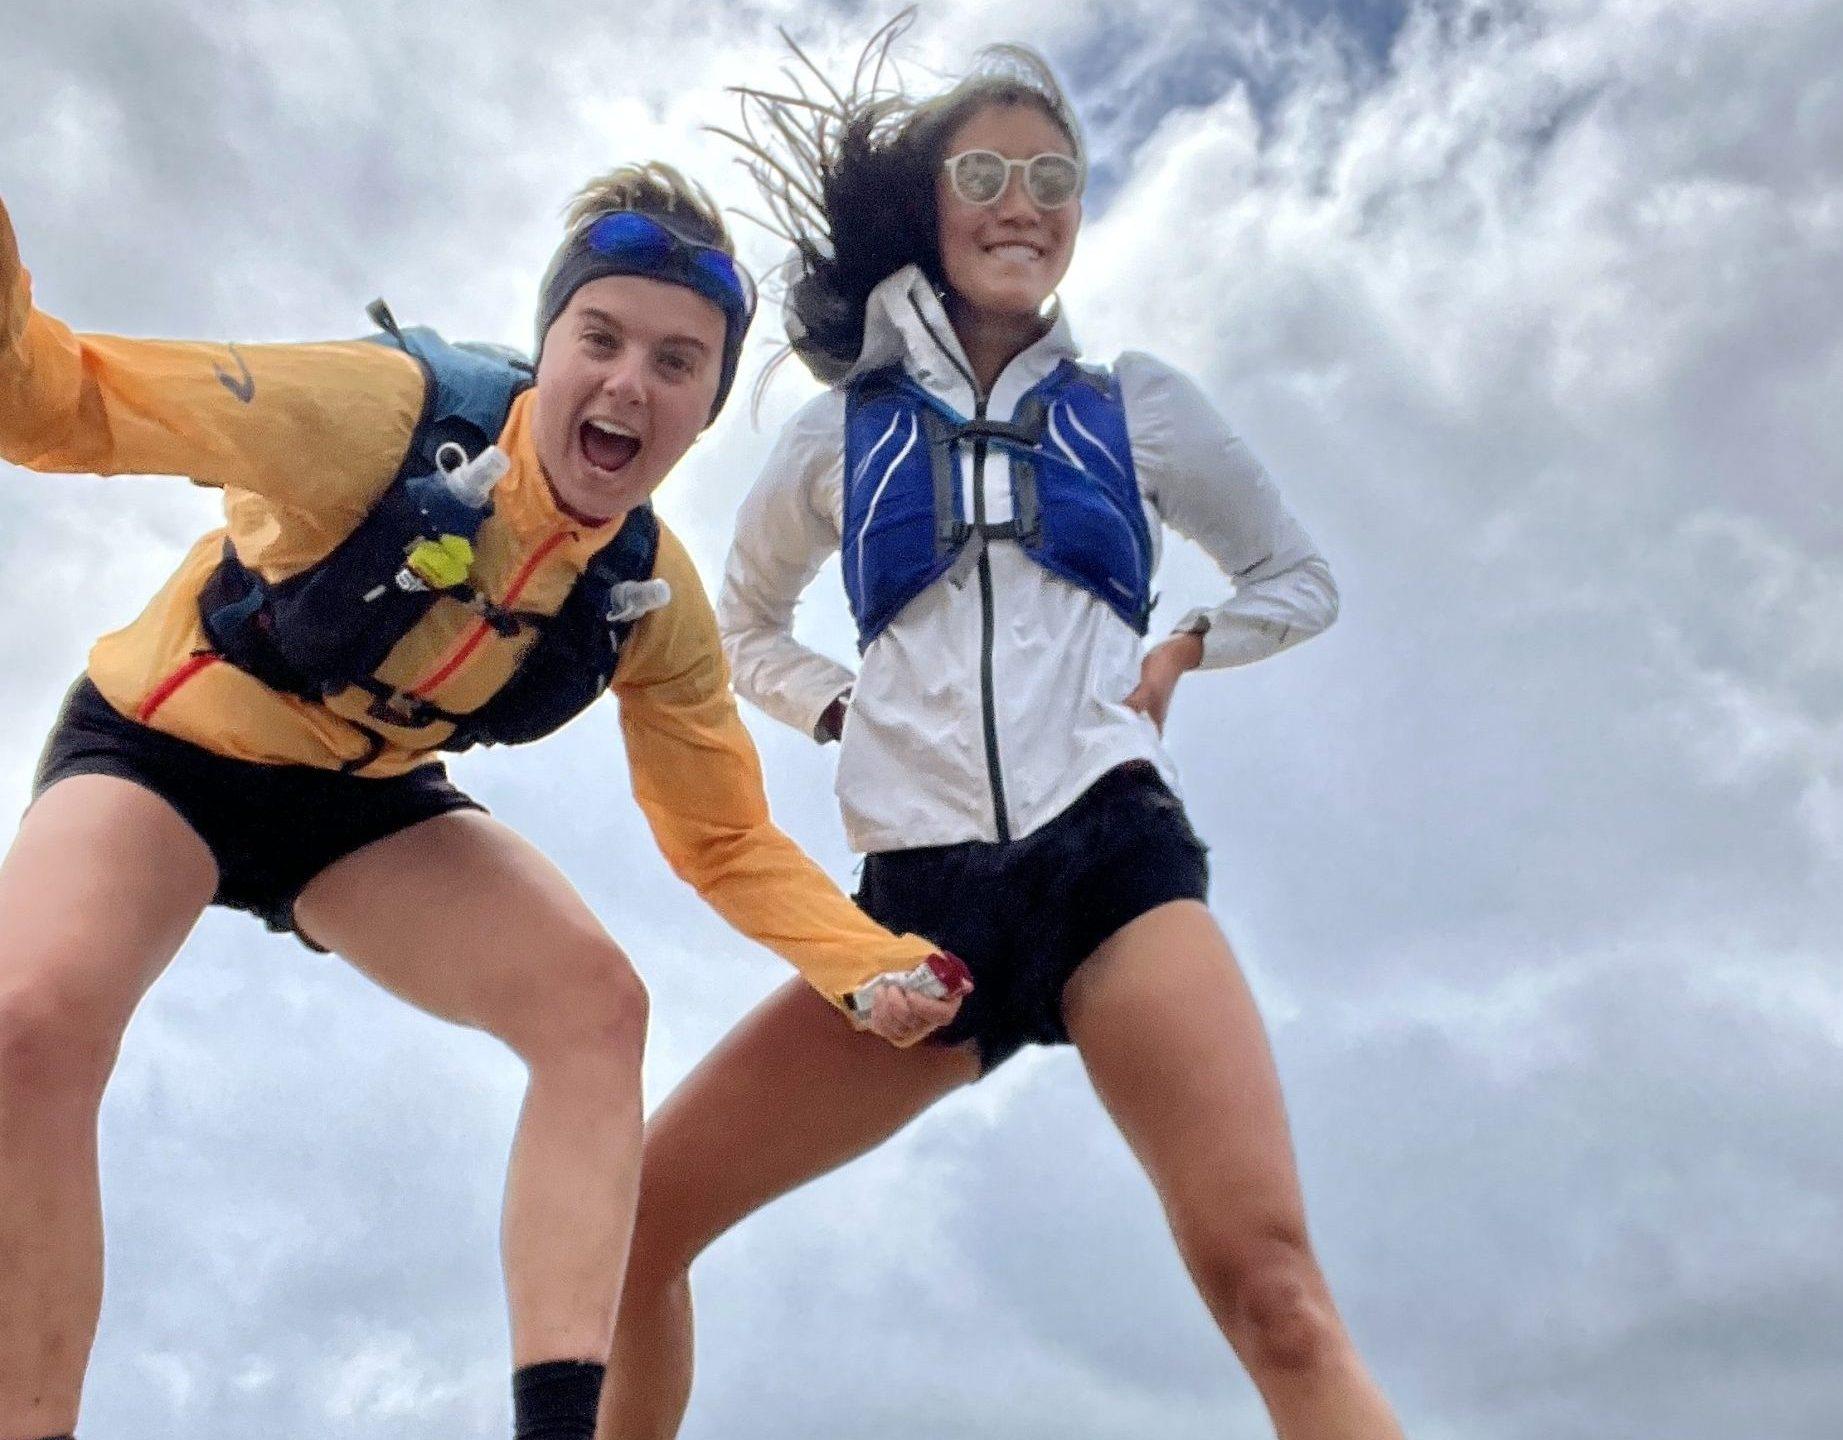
791 1093
458 915
1174 1045
97 893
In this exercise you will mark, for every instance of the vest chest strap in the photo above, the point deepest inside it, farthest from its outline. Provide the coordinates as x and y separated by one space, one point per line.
1075 507
403 708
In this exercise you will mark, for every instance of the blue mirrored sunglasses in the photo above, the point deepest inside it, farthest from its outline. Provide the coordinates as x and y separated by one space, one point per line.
652 244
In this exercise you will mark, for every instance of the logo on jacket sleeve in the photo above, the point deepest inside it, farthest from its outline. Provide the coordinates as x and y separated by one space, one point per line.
243 386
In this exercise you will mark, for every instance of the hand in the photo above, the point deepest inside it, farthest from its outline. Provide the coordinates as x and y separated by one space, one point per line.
1164 665
832 722
9 259
903 1015
9 248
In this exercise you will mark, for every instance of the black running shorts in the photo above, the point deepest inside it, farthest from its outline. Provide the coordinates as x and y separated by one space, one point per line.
271 828
1024 914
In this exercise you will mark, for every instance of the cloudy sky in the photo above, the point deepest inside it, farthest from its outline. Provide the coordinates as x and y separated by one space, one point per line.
1533 309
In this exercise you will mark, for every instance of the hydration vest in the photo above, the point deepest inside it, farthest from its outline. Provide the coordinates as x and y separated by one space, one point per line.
1076 506
327 630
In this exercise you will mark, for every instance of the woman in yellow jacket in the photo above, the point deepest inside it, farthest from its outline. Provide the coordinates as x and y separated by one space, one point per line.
423 550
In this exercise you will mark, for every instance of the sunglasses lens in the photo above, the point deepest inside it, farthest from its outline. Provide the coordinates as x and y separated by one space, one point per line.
979 176
1053 181
630 236
731 277
629 233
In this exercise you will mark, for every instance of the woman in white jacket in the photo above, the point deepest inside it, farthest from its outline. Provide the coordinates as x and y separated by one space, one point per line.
998 507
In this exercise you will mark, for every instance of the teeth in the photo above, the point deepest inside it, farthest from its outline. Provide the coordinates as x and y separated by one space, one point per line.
613 427
1016 252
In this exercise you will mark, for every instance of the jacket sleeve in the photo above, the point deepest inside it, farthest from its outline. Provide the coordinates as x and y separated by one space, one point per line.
788 525
699 782
225 415
1205 483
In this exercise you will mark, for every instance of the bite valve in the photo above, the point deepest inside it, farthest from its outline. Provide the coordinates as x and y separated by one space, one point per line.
631 599
471 481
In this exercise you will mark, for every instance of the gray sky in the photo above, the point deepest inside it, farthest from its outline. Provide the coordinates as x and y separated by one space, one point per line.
1532 308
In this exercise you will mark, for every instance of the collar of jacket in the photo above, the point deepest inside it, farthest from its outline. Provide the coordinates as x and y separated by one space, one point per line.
904 322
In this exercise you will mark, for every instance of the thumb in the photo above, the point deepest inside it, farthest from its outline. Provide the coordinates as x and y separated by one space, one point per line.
9 249
8 244
13 292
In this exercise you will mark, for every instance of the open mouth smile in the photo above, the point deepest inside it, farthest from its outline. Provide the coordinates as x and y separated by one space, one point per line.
607 445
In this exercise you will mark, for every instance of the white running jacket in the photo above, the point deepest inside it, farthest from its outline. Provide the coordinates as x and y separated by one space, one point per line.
986 707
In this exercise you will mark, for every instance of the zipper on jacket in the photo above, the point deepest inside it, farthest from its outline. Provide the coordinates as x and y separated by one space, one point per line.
987 624
988 708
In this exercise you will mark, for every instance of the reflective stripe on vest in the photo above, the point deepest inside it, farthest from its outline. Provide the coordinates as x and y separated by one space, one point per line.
329 628
1076 511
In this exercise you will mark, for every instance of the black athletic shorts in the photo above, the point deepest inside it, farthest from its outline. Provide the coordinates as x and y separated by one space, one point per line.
271 828
1025 913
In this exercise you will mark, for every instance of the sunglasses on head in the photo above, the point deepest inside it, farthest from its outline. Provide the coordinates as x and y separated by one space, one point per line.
655 246
979 177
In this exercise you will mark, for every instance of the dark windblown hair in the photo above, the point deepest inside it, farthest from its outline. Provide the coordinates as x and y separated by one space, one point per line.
848 177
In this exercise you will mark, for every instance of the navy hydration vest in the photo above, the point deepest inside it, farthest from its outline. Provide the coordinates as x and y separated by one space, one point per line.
1076 506
330 627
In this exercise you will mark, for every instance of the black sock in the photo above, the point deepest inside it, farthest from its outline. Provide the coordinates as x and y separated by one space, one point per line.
556 1400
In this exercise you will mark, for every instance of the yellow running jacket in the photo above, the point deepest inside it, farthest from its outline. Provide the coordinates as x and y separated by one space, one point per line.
303 440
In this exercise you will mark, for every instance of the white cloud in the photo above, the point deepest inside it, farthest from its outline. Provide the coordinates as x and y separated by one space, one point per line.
1532 857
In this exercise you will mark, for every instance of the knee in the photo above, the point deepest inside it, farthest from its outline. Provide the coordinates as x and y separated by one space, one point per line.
54 1046
1286 1316
1266 1287
582 1002
655 1295
660 1257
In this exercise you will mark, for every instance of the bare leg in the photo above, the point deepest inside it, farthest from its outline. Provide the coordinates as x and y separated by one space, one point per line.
467 921
792 1092
96 895
1177 1053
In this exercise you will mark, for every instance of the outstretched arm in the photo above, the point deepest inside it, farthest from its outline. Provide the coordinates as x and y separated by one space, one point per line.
274 419
697 778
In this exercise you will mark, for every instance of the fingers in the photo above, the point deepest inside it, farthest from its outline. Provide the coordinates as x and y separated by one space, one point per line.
15 305
9 250
1150 702
935 1013
903 1017
1158 678
893 1016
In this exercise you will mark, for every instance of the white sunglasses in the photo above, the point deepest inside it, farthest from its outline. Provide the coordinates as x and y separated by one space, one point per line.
979 177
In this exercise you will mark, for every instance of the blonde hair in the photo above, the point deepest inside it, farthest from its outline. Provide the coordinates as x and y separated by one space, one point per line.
651 187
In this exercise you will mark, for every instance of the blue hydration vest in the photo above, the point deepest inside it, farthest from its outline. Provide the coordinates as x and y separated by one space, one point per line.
1076 508
331 626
